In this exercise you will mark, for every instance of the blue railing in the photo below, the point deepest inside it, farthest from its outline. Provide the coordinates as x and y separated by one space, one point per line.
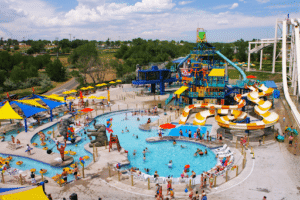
215 94
169 99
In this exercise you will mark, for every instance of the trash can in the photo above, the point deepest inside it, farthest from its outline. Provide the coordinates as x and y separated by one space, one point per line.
159 105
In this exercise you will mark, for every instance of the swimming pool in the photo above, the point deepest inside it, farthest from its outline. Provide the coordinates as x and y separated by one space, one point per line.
185 129
160 152
156 160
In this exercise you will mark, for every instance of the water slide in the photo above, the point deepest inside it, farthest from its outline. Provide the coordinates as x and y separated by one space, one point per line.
231 113
294 110
234 65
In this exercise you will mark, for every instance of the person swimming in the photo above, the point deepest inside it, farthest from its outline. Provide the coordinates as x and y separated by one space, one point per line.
122 131
138 119
137 137
200 152
127 130
134 152
174 142
170 164
182 146
205 152
147 170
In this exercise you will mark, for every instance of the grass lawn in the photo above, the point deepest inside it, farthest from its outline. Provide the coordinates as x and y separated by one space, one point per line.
267 66
234 74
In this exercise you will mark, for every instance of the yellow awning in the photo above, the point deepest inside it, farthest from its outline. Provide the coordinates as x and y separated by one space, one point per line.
92 97
71 98
31 102
101 97
118 81
32 194
54 97
112 82
181 90
6 112
217 72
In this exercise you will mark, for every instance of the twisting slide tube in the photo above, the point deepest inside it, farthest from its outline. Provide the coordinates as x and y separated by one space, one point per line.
231 113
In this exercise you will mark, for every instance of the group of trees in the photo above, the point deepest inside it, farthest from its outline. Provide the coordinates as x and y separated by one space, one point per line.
143 52
19 71
86 59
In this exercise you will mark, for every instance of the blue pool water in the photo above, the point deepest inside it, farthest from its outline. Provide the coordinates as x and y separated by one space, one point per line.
185 129
160 152
156 160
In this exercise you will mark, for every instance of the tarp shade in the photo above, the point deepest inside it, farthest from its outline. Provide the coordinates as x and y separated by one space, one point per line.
54 97
33 194
31 102
6 112
9 189
28 110
50 104
217 72
181 90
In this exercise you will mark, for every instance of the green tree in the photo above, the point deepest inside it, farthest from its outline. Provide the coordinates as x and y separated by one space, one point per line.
16 47
242 48
17 74
56 71
107 42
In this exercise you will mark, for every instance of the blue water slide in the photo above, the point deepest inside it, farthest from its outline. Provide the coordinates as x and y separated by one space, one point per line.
183 60
234 65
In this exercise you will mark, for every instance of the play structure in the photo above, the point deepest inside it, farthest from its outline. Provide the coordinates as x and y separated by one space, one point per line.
205 85
108 125
154 76
114 140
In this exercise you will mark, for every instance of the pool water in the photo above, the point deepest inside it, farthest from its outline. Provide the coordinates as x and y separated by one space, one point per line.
185 129
160 152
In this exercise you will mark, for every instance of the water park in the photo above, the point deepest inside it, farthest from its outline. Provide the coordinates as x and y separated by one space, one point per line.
173 132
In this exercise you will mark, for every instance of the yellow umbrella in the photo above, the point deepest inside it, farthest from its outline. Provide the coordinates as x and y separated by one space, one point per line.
118 81
83 88
101 97
112 82
71 98
99 85
104 84
66 92
90 87
54 95
84 97
92 97
73 91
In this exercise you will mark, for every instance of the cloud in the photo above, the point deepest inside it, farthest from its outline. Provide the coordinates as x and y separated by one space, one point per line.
184 2
220 7
243 1
223 22
235 5
149 19
263 1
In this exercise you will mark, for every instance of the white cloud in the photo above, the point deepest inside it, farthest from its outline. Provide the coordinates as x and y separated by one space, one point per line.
184 2
243 1
263 1
223 22
153 19
235 5
221 7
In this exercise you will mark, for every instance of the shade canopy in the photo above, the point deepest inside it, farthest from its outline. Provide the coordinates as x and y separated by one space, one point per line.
112 82
251 76
31 102
118 81
92 97
87 110
28 110
90 87
32 194
58 98
84 88
7 112
71 98
217 72
167 126
181 90
51 104
104 84
101 97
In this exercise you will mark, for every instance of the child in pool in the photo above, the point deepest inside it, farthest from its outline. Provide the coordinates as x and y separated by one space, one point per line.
122 131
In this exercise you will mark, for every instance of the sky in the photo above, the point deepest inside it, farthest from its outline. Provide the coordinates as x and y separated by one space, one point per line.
223 20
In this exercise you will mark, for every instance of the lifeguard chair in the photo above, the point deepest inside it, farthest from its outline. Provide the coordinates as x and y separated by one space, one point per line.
114 140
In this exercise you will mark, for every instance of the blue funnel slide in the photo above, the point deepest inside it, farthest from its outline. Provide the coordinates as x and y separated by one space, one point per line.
234 65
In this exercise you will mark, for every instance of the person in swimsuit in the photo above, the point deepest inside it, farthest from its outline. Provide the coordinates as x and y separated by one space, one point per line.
62 150
174 142
12 139
211 180
220 137
64 175
205 152
76 172
180 133
201 152
134 152
147 170
28 149
190 134
169 187
18 142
